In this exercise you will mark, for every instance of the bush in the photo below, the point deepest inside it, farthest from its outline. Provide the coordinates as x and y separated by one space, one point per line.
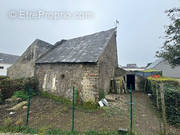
3 77
172 100
9 86
24 94
21 94
171 96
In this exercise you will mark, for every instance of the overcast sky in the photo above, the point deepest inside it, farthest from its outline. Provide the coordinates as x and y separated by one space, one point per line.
141 24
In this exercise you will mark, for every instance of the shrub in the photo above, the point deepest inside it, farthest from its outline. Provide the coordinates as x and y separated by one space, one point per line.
3 77
9 86
24 94
21 94
171 96
172 100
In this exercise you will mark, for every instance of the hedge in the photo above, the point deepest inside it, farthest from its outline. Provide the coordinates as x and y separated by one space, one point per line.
9 86
171 96
3 77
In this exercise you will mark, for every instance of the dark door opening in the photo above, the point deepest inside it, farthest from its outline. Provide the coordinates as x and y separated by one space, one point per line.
131 81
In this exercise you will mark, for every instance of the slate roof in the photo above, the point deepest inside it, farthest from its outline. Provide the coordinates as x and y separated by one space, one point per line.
84 49
8 58
155 63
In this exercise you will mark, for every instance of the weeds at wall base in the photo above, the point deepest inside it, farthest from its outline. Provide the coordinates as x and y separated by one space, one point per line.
86 106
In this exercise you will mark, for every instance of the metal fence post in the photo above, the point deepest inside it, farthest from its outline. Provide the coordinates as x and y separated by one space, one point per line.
28 108
77 97
163 106
73 110
131 109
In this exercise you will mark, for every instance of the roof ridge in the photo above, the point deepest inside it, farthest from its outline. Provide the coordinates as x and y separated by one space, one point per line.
9 54
36 41
115 28
86 48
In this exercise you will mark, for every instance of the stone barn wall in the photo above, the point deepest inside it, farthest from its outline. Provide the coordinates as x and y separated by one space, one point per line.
89 78
59 79
108 63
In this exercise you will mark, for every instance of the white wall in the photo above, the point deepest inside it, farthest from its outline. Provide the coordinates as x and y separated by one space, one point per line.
167 70
3 71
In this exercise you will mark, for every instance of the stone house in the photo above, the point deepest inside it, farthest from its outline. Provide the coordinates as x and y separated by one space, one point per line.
88 63
25 65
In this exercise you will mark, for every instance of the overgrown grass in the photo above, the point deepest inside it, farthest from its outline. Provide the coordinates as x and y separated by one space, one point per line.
111 111
59 132
46 131
24 94
18 129
55 98
86 106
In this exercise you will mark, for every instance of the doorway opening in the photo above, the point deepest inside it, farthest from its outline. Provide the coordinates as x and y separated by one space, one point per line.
131 81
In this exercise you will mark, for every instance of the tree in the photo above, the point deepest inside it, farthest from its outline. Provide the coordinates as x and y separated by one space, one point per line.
171 48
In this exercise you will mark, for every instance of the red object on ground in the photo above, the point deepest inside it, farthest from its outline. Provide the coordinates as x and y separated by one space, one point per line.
156 76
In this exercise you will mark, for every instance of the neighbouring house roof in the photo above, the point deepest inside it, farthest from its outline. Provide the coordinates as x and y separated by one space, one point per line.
78 50
8 58
155 63
131 66
134 69
35 50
